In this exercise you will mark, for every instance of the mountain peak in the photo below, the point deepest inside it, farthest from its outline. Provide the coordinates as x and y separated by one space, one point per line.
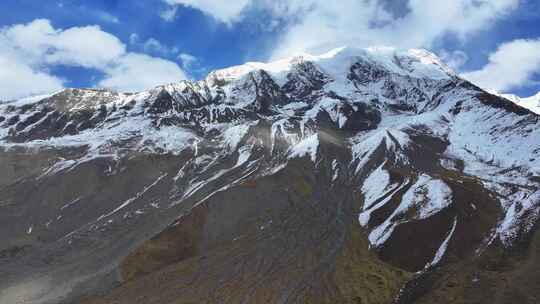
371 151
416 63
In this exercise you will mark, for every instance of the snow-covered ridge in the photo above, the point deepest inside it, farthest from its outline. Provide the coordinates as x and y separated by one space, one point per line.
426 197
398 129
416 63
531 103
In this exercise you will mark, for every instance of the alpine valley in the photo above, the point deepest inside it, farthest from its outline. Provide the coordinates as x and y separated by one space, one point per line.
358 176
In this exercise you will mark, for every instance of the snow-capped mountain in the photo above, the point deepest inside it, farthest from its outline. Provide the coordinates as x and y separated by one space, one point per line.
357 176
531 103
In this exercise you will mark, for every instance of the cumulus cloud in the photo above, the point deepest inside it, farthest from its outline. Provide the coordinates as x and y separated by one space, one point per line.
225 11
20 80
107 17
134 72
153 45
454 59
188 60
133 38
39 42
363 23
319 25
27 51
169 14
511 66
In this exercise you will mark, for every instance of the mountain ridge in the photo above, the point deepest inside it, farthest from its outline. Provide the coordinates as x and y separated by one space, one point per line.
341 160
531 103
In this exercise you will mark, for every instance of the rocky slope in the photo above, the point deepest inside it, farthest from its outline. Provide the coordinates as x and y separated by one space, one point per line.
357 176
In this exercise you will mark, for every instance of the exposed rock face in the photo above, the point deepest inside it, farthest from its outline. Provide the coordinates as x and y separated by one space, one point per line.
358 176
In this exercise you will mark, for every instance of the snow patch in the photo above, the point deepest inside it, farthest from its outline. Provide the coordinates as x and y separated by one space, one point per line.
426 197
306 147
233 135
442 249
375 185
364 145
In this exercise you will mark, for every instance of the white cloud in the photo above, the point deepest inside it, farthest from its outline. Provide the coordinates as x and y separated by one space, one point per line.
107 17
27 51
88 47
324 25
39 42
455 59
319 25
225 11
133 38
135 72
152 45
513 65
20 80
188 60
329 24
170 13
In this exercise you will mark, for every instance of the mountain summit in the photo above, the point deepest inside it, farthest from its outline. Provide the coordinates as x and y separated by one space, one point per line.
358 176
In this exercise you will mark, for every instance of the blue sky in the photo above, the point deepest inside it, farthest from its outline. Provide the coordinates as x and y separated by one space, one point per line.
132 45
